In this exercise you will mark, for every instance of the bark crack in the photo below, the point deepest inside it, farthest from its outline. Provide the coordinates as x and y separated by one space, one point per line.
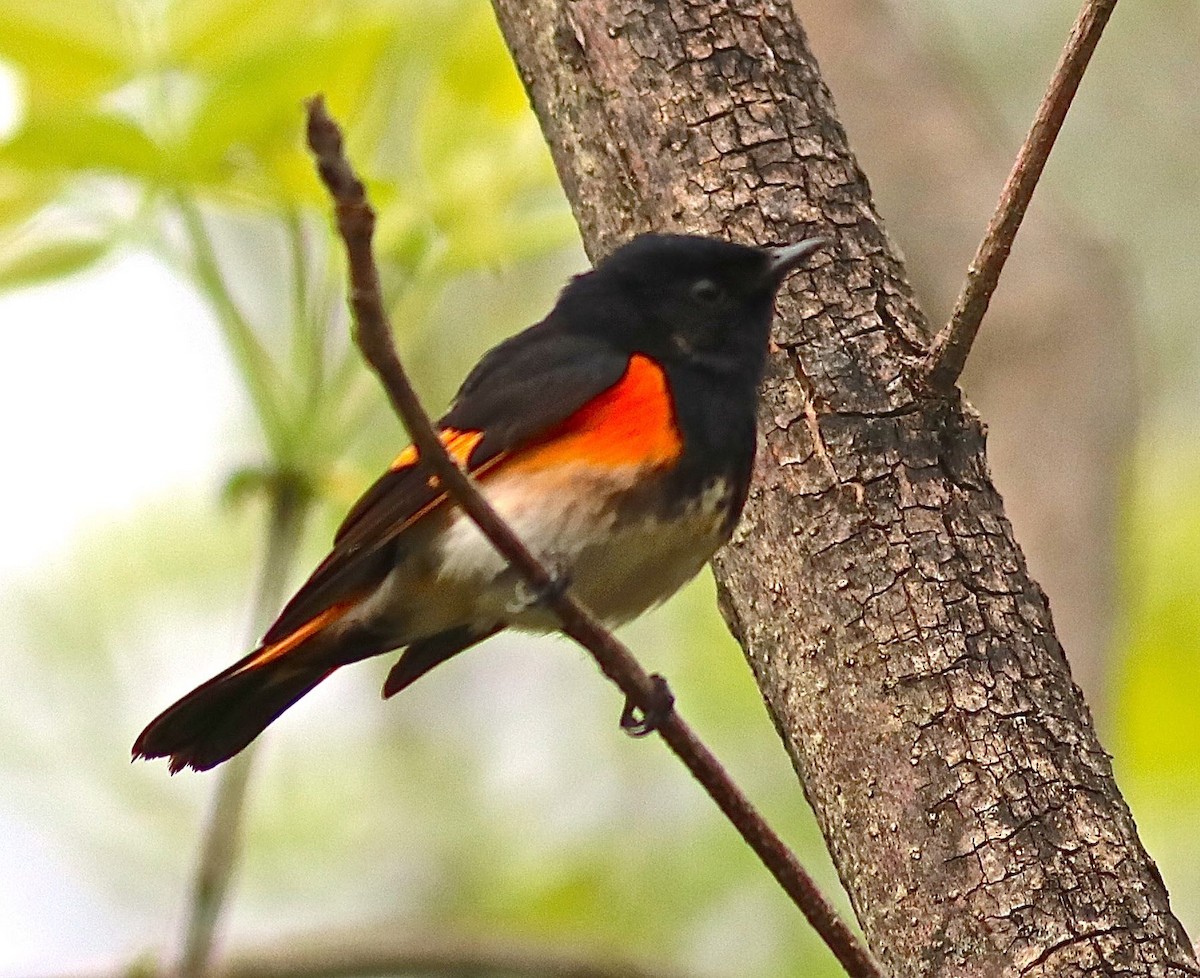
909 661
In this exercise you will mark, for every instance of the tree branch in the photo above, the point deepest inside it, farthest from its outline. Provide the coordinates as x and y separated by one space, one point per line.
908 659
356 221
378 954
1044 353
288 501
949 353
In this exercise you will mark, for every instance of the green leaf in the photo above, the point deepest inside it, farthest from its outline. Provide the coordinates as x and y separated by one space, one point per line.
78 139
491 185
405 232
209 35
65 51
23 265
250 120
478 70
212 36
22 192
1157 714
503 240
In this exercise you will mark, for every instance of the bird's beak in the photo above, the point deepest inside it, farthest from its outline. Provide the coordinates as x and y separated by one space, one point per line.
787 258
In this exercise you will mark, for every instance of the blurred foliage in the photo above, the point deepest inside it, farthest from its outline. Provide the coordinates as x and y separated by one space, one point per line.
188 114
1126 162
1161 738
1157 736
497 799
1125 159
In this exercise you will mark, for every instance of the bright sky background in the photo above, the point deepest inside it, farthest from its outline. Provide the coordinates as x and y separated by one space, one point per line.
116 392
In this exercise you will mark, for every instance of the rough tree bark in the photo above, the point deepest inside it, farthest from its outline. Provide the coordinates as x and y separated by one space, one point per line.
1054 370
907 657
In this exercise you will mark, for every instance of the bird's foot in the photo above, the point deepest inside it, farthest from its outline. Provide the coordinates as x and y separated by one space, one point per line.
637 722
527 596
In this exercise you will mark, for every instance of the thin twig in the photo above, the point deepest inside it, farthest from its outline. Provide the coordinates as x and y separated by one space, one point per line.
356 222
308 330
378 953
221 844
253 361
949 353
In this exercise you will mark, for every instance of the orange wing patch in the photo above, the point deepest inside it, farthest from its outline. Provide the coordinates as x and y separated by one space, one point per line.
631 423
437 501
460 445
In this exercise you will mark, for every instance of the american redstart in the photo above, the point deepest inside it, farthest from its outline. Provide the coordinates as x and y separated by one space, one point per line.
616 437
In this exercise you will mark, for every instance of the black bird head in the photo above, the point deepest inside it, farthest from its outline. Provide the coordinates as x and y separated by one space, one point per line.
686 300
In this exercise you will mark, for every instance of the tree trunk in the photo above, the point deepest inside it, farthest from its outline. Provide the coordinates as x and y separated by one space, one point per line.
1053 372
906 656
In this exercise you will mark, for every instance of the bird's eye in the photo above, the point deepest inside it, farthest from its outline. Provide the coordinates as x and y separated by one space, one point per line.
707 292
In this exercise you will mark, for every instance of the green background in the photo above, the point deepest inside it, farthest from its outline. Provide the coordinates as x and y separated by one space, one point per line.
496 799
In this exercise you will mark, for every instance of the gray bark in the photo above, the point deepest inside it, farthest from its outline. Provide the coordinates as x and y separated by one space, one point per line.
907 657
1053 372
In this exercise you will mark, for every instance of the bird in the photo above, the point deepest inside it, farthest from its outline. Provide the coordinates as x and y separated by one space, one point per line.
616 437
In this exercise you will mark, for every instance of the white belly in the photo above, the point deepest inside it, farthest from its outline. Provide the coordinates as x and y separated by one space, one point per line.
616 564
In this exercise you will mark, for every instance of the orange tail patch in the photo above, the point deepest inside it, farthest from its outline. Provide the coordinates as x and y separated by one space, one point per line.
306 631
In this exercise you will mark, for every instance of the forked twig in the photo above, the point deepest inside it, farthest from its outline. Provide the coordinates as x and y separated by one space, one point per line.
948 356
372 332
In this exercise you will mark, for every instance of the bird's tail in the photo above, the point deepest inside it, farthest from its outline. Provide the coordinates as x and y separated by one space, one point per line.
216 720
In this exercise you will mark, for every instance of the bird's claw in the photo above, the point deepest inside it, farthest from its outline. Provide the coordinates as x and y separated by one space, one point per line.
638 722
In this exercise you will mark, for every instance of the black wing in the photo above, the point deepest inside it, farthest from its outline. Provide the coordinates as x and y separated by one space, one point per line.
521 389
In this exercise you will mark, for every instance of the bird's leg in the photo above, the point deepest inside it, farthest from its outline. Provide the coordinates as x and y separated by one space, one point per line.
637 722
527 597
